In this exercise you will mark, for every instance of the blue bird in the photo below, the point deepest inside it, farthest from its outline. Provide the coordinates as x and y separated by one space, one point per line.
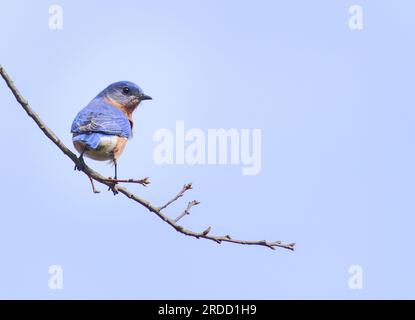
102 129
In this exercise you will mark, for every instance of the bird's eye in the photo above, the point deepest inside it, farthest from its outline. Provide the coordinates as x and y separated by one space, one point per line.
126 90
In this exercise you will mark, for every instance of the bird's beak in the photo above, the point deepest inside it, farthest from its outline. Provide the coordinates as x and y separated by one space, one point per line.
145 97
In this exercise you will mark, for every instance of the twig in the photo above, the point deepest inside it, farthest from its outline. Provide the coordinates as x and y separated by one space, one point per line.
187 210
94 190
93 175
186 187
144 182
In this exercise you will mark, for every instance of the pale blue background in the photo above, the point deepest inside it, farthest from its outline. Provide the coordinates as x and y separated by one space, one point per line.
336 109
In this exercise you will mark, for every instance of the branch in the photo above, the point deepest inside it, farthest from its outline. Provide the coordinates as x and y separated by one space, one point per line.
93 175
144 182
187 210
179 195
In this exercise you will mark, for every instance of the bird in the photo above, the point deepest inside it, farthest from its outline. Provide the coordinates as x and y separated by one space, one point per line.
101 130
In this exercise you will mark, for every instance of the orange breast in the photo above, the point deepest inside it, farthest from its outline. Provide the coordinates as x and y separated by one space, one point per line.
79 146
128 110
119 147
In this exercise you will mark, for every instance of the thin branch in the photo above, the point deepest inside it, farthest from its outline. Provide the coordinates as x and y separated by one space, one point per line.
203 234
186 187
93 175
94 190
187 210
144 182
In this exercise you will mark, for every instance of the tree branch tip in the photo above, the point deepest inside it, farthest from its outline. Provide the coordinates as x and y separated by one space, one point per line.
194 203
207 231
147 180
186 187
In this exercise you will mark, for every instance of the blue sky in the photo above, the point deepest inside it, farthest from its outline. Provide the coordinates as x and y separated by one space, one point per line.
335 107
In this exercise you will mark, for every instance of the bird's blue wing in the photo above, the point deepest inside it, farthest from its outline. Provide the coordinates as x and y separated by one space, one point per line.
99 116
90 140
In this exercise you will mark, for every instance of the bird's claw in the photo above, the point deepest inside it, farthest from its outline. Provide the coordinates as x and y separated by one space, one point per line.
81 165
114 191
113 188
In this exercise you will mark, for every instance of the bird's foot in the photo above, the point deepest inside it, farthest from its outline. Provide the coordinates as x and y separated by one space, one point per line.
113 186
113 189
81 165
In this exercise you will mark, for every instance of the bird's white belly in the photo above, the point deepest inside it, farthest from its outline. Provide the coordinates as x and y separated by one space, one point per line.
105 149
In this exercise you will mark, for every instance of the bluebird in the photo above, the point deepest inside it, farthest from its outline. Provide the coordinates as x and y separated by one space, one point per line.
102 129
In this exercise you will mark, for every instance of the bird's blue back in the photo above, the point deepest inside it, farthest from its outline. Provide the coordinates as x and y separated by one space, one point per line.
101 117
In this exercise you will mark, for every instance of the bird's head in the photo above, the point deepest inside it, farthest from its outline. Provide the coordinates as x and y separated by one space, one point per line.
125 95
